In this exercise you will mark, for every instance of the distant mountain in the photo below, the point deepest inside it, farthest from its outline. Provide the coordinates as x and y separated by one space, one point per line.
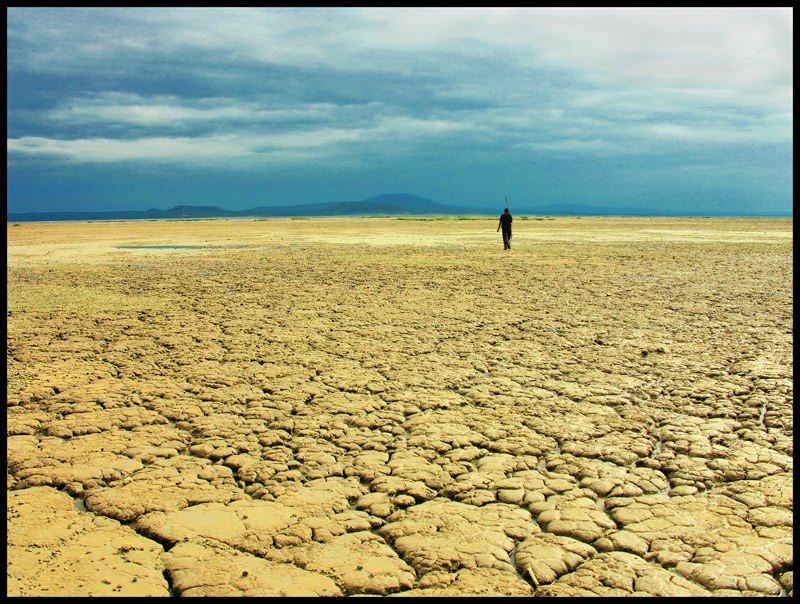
392 204
190 212
395 204
402 203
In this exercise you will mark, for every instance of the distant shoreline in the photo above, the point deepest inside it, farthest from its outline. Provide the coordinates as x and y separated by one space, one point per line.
29 218
390 205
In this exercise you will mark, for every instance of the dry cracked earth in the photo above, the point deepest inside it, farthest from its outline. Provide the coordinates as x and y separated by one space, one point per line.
400 407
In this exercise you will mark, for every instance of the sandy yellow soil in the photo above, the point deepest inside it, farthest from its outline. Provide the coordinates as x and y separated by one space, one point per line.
381 406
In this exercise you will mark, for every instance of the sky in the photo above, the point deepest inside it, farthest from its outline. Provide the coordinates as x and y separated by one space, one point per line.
673 110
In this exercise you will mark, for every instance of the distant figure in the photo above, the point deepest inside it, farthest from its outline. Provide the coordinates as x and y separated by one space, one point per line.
505 224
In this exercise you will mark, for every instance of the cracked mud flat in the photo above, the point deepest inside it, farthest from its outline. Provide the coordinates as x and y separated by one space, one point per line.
373 406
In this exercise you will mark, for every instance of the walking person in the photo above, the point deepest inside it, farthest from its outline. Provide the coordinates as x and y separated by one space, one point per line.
505 224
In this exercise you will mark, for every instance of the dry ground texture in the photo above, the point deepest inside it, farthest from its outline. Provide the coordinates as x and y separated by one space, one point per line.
382 406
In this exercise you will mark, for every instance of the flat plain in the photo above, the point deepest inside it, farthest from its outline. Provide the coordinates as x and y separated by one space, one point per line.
400 407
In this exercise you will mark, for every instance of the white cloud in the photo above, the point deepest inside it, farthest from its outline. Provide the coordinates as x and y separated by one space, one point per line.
105 150
730 49
735 50
290 146
635 75
160 110
572 146
739 49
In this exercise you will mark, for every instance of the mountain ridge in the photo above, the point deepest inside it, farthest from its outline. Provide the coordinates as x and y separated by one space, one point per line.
387 204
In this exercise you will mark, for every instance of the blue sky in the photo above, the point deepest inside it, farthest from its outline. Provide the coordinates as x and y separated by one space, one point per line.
674 110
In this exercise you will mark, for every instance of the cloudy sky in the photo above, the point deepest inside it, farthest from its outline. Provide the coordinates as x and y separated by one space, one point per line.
679 110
